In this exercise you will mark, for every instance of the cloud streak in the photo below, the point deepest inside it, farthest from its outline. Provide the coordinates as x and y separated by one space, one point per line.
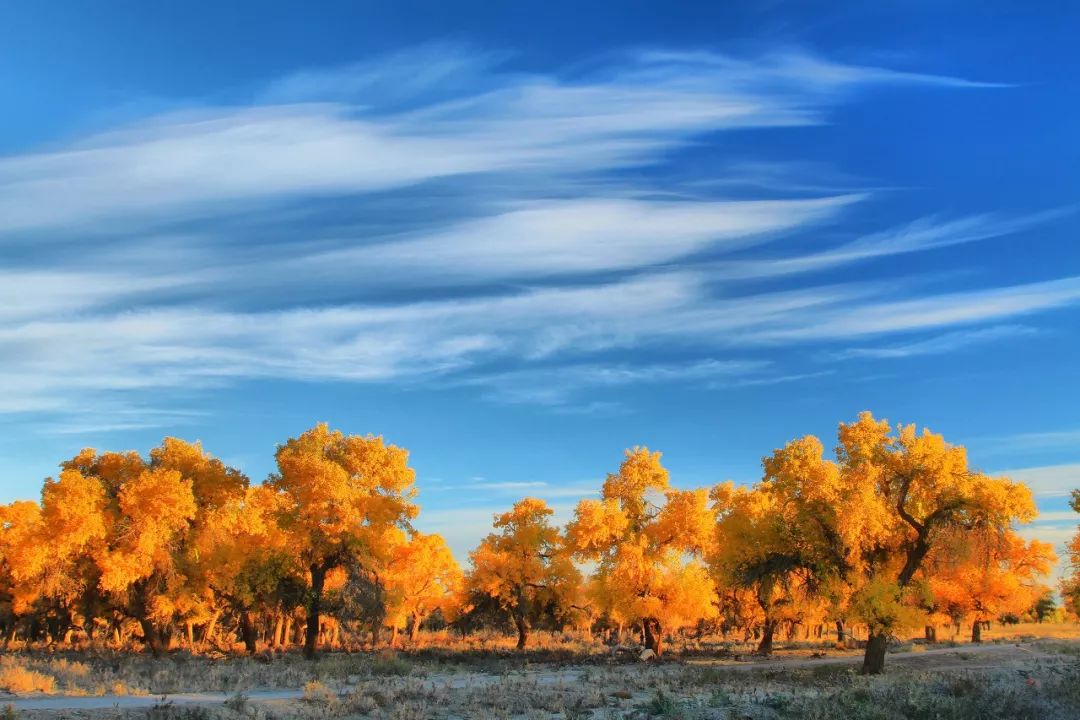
435 216
327 134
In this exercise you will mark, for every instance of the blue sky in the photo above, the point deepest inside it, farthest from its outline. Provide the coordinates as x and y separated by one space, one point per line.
518 238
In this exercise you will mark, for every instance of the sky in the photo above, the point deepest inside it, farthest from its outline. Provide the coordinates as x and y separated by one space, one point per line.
519 238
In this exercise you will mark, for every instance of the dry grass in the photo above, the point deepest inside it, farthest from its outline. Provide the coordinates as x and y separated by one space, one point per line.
18 680
1029 631
570 679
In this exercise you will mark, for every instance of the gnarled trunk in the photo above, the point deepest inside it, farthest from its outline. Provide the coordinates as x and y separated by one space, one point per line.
314 611
523 628
976 631
840 631
152 637
247 632
874 658
767 631
930 633
414 628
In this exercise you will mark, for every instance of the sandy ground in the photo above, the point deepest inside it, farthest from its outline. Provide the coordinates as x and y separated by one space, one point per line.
963 657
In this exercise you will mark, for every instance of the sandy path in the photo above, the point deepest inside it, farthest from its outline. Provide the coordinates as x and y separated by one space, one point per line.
99 702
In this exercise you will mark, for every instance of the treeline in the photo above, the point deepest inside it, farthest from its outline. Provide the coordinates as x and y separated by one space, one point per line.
893 532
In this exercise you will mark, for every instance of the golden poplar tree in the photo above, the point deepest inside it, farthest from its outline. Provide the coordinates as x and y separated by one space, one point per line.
981 575
342 493
640 534
754 552
523 566
422 574
900 492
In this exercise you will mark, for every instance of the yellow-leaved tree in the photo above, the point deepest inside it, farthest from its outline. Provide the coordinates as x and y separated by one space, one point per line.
30 568
244 560
900 493
754 552
982 574
422 574
645 538
341 494
130 519
523 566
214 486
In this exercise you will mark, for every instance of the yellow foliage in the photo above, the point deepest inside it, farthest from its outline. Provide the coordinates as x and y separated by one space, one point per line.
523 566
645 572
891 529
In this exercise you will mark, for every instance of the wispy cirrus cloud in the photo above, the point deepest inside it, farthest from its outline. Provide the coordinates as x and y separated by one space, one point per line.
919 236
330 133
562 384
541 239
1048 480
434 215
170 348
937 345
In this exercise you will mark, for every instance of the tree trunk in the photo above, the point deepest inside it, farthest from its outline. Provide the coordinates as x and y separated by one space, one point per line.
314 610
523 631
658 639
653 636
874 658
840 631
648 639
279 623
211 627
286 633
152 637
765 646
414 628
393 635
247 632
931 634
976 631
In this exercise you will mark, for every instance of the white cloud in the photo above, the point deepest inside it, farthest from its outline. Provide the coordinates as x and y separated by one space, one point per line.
200 162
49 363
559 385
511 485
1032 441
939 344
1048 480
539 239
526 292
919 236
1058 516
960 308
